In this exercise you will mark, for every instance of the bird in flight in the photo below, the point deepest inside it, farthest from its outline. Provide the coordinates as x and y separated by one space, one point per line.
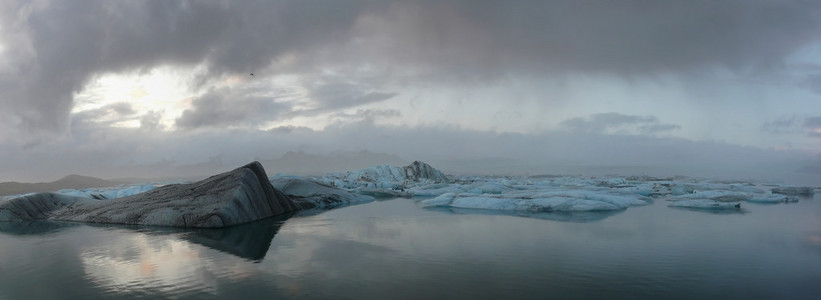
252 74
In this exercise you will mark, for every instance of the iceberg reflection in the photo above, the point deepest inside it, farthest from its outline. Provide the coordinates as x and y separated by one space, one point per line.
170 261
249 241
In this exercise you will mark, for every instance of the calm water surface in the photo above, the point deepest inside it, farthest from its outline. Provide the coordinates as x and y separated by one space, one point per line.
395 249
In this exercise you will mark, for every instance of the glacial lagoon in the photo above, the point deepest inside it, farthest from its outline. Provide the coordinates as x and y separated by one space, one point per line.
402 249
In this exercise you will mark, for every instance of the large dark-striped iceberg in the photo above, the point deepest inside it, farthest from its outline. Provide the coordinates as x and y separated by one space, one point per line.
239 196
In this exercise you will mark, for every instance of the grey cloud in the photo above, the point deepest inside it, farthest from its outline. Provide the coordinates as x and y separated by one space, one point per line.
245 106
58 45
813 126
151 120
331 93
364 115
289 129
618 123
226 107
64 44
104 116
69 42
378 113
812 82
812 122
624 37
121 108
810 126
783 125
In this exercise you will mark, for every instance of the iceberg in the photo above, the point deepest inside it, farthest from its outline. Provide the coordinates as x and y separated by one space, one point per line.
388 177
246 194
239 196
308 194
385 181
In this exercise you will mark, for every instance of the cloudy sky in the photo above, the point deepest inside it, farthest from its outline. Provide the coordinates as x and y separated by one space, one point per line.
706 88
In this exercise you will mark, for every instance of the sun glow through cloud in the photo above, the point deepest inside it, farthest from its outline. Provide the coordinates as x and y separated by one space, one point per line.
164 89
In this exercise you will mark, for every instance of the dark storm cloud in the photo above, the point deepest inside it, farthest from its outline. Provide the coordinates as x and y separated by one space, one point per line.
620 37
69 42
608 122
56 46
65 43
226 107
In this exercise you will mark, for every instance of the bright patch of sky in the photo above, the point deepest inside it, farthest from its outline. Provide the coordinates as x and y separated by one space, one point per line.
163 89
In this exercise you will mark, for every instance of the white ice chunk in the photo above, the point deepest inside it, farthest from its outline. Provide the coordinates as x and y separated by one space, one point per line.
441 200
488 188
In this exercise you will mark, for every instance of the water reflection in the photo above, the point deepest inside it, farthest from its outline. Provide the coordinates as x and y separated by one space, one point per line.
249 241
137 262
170 261
574 217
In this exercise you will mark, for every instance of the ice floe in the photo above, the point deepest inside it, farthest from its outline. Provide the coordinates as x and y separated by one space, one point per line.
794 190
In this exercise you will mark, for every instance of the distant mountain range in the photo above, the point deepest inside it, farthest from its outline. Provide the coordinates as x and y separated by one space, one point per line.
68 182
301 163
